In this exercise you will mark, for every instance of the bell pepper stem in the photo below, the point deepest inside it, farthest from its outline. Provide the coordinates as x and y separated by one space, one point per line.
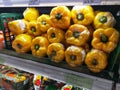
80 16
95 62
19 46
36 47
76 34
33 29
103 19
73 57
53 54
43 22
53 35
104 38
58 16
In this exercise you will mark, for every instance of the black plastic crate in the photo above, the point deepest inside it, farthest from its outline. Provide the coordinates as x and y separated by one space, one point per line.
4 19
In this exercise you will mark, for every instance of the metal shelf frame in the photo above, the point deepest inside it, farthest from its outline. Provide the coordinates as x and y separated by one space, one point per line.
21 3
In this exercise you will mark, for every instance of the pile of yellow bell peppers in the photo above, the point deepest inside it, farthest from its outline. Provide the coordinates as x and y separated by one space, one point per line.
78 35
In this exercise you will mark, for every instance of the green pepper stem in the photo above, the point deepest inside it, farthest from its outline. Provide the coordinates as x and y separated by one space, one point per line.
103 19
33 29
43 22
104 38
52 54
73 57
76 34
19 46
53 35
95 62
36 47
58 16
80 16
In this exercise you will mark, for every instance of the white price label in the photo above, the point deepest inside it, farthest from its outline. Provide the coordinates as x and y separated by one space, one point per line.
91 1
79 81
7 2
34 2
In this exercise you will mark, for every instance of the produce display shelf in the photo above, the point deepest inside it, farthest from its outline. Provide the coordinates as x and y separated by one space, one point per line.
62 72
79 76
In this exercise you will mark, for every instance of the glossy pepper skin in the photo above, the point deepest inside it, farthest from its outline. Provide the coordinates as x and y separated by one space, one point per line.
82 15
77 35
22 43
44 22
104 20
105 39
55 35
96 60
39 46
18 26
60 16
56 52
75 56
34 28
31 14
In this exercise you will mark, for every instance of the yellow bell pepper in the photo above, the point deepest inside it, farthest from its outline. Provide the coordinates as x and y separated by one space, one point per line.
34 28
22 43
44 22
60 16
55 35
56 52
75 56
77 35
18 26
104 20
39 46
31 13
96 60
105 39
82 15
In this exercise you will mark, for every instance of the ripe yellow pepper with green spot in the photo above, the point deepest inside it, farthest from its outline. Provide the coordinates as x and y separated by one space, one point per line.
22 43
105 39
104 20
96 60
56 52
44 22
55 35
82 14
31 13
39 46
34 28
77 35
61 17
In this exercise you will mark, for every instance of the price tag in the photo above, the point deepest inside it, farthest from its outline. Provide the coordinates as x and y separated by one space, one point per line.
91 1
7 2
2 60
34 2
83 82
